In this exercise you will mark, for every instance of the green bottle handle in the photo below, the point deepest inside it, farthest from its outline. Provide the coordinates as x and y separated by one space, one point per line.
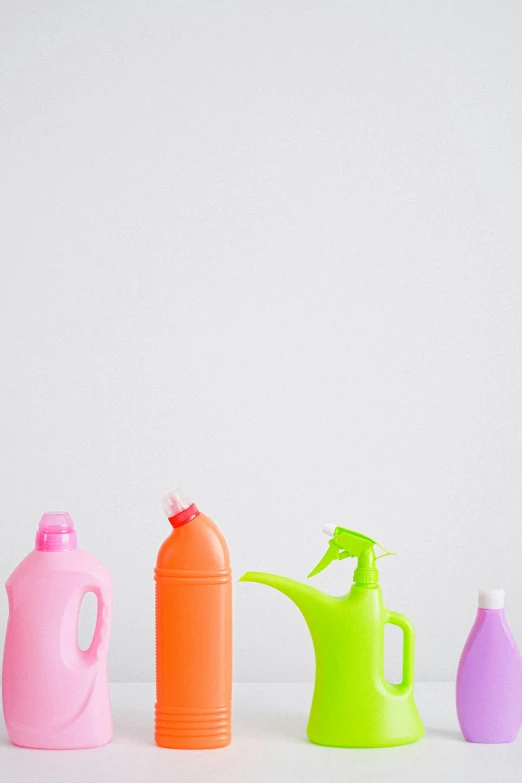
394 618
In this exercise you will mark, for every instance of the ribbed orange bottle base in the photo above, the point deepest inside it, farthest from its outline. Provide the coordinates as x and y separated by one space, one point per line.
192 729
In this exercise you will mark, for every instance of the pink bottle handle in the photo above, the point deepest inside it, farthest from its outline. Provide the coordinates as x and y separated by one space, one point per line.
100 635
76 657
394 618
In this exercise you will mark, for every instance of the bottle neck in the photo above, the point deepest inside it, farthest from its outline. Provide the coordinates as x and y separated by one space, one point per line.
366 573
184 516
490 613
56 533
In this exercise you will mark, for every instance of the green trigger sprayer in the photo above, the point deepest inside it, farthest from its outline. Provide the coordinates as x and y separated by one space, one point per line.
348 543
353 704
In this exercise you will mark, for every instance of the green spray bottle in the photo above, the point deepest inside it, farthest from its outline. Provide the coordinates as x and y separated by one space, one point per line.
353 705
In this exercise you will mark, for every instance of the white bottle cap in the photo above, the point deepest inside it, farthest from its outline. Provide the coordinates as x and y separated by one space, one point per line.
329 530
491 599
175 502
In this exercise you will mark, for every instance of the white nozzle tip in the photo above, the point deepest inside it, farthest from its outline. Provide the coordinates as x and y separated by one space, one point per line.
329 530
175 502
491 599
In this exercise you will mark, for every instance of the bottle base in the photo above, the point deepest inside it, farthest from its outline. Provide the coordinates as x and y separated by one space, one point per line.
391 743
490 741
33 745
356 735
183 728
192 743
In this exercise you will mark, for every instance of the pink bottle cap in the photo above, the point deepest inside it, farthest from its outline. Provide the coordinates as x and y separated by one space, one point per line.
56 533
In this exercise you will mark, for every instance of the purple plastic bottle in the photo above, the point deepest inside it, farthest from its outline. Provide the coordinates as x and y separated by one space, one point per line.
489 679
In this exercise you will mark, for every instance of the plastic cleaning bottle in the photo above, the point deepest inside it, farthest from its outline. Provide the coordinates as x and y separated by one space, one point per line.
55 695
193 632
489 679
353 705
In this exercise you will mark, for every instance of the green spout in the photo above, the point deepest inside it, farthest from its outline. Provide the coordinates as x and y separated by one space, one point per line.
312 603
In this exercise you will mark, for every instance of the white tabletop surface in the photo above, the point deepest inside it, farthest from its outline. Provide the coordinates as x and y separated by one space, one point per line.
269 744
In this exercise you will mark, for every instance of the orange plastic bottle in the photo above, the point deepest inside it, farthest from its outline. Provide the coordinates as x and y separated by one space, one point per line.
193 632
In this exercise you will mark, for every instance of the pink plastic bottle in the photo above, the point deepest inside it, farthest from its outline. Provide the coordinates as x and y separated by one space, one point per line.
489 679
54 694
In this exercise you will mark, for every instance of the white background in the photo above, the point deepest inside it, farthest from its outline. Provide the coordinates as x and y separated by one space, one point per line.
269 252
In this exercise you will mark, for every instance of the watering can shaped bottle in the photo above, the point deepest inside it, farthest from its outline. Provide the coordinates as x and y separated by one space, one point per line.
354 705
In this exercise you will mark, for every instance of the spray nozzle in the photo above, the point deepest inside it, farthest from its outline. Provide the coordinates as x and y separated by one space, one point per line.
347 543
